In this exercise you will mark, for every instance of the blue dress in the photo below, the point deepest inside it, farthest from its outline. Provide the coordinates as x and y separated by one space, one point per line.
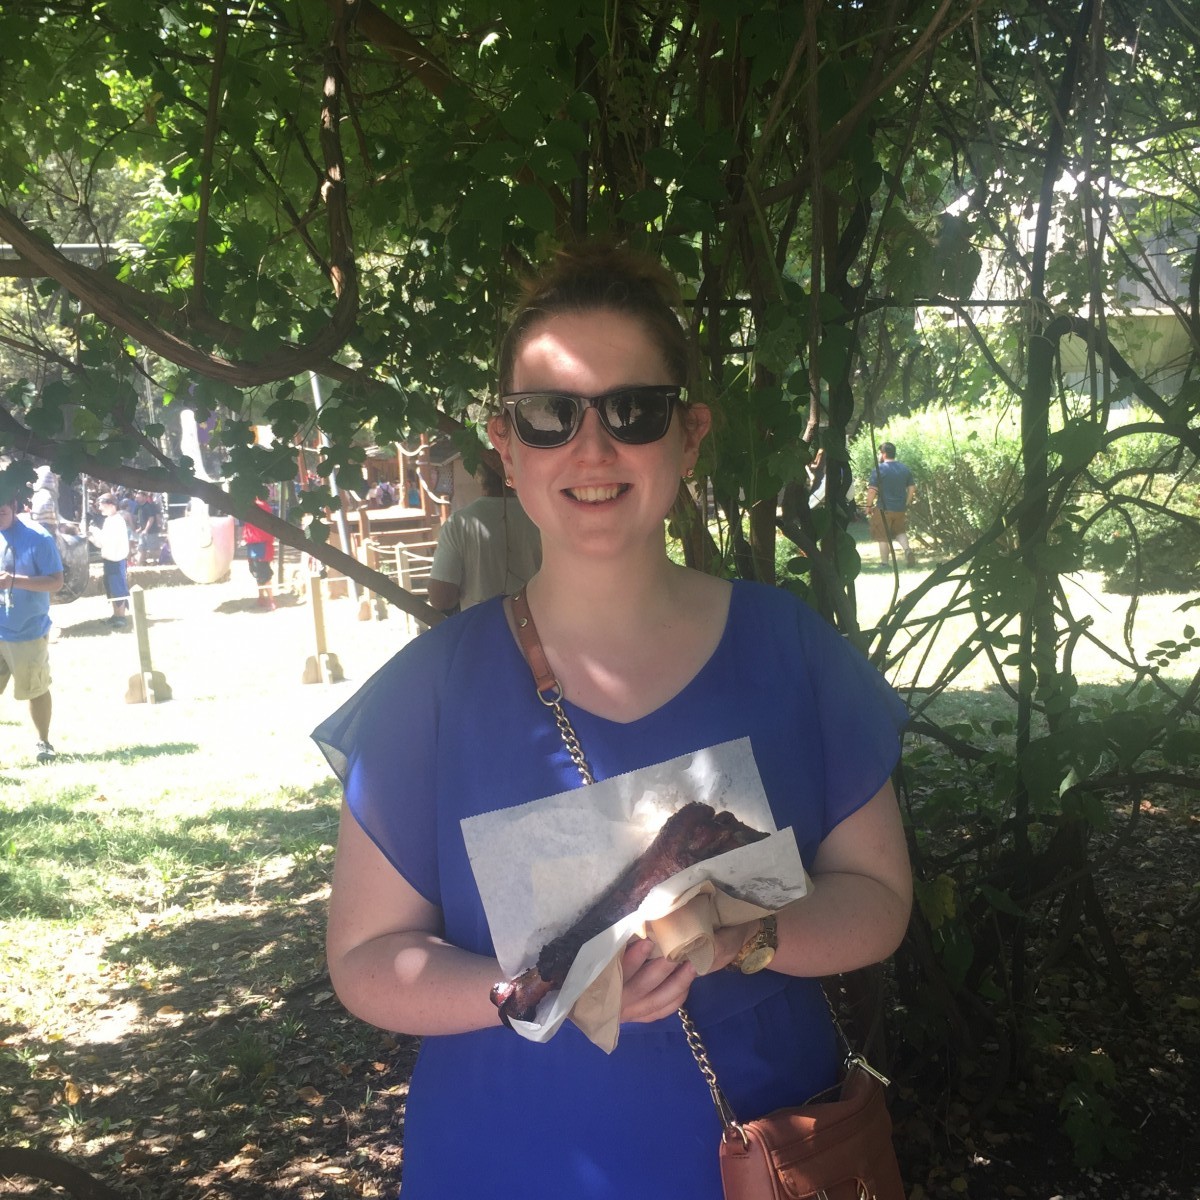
451 727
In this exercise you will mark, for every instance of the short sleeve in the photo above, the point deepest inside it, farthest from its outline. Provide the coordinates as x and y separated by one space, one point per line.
873 478
382 745
46 556
447 563
859 715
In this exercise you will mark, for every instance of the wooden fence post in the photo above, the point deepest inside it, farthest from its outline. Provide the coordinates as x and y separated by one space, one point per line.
148 686
320 667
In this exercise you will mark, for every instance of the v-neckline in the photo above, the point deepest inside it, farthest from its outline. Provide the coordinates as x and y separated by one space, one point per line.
654 712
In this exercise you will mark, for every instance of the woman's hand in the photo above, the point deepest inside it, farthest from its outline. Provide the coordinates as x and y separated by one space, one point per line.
654 987
729 940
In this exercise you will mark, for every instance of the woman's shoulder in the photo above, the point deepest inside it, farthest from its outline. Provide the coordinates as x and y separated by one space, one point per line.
407 692
436 651
764 599
787 620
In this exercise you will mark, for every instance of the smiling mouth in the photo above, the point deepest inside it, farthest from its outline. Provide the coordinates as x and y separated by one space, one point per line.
598 494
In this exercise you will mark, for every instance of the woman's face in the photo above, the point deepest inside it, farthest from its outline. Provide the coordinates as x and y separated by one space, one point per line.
595 493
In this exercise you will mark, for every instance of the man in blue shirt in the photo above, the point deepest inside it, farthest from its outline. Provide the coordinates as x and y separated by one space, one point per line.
30 572
890 490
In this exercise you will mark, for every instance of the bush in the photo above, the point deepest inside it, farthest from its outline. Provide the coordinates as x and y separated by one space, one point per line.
1143 516
967 469
1138 503
1146 551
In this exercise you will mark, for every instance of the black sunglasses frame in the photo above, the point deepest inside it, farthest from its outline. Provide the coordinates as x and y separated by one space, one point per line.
672 394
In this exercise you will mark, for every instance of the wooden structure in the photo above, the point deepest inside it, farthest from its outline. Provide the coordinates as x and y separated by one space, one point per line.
397 542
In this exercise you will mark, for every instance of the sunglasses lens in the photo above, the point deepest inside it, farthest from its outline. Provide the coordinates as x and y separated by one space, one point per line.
546 419
638 415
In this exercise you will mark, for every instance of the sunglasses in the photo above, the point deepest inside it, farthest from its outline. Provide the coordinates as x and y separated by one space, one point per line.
633 415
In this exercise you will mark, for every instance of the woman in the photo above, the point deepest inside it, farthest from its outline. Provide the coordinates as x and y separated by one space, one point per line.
655 661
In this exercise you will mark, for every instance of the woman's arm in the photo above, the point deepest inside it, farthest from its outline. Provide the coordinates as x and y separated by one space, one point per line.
388 963
858 909
390 967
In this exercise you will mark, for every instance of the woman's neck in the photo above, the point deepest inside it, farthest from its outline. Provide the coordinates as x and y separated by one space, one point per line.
623 640
578 591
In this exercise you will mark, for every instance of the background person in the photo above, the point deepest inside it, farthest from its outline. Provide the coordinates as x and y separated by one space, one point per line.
43 503
31 572
112 540
260 555
45 509
890 490
655 661
487 548
147 523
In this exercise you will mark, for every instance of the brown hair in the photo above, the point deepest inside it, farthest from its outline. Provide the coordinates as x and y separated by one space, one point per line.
592 275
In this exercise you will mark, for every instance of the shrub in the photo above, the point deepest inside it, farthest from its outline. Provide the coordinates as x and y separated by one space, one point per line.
1143 515
1140 550
1138 504
967 469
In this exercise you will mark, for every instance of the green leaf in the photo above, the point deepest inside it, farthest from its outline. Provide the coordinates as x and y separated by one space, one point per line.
488 204
682 257
1182 747
1001 901
533 207
521 119
645 206
663 163
582 107
1078 442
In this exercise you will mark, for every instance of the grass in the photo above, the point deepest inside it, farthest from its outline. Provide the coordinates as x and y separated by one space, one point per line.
913 665
167 812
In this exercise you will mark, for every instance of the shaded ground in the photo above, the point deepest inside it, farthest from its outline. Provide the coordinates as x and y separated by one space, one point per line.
236 1074
231 1085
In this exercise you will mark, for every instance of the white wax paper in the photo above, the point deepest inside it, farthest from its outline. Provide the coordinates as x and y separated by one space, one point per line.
539 866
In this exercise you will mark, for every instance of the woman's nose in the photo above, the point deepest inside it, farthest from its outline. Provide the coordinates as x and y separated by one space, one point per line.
593 440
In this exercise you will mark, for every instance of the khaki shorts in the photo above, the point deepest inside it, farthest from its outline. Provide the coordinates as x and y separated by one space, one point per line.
897 523
27 664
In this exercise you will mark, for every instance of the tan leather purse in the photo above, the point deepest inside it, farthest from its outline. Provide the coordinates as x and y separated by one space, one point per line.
835 1149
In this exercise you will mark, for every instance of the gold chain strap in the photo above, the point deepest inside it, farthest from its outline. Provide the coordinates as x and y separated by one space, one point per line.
700 1054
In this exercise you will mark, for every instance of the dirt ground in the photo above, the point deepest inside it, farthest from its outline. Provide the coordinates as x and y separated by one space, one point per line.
248 1080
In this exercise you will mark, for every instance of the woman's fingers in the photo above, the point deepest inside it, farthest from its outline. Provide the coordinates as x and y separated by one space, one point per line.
654 987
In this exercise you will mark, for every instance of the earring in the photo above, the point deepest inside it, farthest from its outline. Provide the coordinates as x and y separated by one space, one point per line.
688 473
508 481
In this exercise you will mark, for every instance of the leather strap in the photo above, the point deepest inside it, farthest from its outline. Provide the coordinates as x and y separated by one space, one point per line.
531 645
